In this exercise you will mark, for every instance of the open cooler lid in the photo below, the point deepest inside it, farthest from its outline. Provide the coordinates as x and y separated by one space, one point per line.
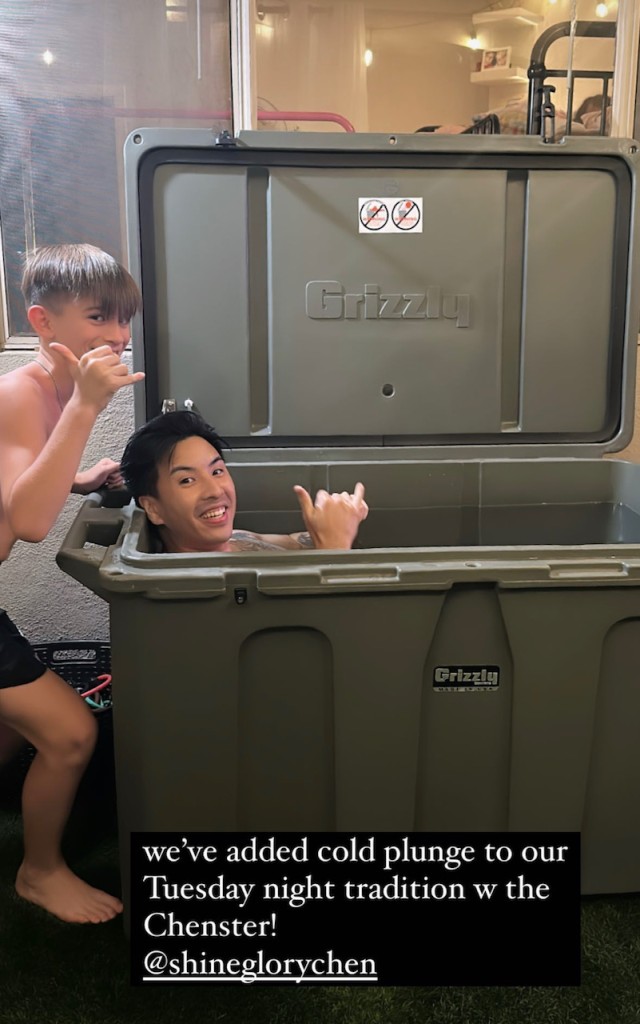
456 296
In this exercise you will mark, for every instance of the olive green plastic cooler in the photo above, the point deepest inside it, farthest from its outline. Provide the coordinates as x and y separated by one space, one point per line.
474 664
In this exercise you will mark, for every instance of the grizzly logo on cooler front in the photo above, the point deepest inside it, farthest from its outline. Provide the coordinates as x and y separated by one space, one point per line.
329 300
466 677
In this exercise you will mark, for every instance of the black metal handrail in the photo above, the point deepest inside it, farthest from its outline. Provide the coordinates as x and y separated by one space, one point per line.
538 72
487 125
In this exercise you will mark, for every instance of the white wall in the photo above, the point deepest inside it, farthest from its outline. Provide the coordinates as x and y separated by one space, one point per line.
436 86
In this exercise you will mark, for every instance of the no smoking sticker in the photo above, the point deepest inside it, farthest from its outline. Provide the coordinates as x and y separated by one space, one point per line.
380 215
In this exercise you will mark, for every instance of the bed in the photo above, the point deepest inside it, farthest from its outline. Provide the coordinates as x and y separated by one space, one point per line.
595 121
536 113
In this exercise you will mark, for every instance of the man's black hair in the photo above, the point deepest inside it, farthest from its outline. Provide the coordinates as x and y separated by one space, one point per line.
153 444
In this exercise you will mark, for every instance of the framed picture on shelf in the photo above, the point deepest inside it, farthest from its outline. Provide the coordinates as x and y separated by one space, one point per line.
499 57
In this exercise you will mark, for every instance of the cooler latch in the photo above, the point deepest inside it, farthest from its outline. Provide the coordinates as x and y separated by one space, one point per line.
170 405
548 115
225 140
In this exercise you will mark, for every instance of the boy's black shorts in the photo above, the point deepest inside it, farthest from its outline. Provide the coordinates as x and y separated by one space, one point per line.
18 663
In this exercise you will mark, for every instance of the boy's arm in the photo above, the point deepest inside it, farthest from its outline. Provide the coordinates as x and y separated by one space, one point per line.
105 473
36 472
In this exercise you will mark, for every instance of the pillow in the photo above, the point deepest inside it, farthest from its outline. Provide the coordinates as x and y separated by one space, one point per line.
593 120
513 119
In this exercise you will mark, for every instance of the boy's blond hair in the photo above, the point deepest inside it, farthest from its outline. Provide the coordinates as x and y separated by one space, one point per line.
55 274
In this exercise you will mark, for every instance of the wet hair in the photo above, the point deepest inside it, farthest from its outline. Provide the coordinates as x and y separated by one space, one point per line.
56 274
153 444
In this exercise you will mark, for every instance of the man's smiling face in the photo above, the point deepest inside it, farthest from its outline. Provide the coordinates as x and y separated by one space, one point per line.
195 502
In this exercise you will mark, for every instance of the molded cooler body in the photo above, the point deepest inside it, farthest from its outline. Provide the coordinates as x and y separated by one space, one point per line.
474 663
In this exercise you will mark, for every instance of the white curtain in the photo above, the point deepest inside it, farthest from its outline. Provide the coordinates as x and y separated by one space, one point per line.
310 57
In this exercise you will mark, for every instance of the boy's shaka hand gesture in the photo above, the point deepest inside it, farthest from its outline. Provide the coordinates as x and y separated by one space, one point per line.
98 374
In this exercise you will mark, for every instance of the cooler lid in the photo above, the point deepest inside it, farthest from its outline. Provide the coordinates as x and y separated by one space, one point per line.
448 295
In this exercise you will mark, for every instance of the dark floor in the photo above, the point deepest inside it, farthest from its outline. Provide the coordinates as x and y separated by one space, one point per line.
51 973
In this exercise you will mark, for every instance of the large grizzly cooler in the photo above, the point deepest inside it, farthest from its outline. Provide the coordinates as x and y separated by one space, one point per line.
474 664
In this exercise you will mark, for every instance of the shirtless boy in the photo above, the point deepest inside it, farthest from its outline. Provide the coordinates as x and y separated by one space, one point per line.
173 467
79 303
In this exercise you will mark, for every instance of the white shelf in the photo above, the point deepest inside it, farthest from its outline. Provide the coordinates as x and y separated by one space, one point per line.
509 14
499 76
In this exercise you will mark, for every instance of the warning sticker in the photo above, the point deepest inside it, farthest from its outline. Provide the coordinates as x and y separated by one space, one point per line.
374 214
389 215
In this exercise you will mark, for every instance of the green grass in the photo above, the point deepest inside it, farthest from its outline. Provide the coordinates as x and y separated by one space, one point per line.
51 973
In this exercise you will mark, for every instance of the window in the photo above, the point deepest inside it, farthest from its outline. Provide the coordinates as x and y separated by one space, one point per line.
77 78
391 66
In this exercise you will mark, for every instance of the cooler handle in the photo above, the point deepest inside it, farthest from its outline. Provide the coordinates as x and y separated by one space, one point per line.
93 524
589 571
297 580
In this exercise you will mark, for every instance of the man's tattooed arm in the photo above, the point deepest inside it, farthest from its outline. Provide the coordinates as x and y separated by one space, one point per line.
245 540
303 539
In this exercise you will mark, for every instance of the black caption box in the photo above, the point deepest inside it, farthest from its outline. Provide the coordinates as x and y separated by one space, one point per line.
382 908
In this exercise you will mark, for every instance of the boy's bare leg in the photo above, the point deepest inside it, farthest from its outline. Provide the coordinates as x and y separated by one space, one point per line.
61 728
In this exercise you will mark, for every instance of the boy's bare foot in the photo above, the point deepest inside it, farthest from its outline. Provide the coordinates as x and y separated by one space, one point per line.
66 896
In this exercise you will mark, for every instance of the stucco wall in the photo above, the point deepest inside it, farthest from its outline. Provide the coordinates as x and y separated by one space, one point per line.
47 604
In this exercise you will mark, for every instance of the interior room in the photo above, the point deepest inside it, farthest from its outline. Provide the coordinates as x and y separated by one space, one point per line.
400 67
275 694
